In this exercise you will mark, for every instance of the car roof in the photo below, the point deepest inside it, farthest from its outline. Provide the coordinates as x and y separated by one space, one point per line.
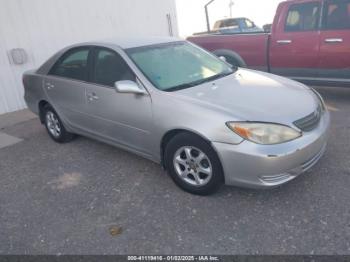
231 18
123 43
132 42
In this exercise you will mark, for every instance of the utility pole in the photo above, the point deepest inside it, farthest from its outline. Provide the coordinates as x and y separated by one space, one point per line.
207 14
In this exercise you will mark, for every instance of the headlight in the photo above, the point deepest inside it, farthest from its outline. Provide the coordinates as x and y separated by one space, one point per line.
319 97
264 133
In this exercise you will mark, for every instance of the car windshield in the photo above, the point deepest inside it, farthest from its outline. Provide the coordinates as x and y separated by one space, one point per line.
178 65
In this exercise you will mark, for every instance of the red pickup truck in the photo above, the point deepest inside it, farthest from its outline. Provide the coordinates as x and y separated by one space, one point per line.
309 41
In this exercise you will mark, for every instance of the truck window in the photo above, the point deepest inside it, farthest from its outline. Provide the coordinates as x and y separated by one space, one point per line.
217 25
249 23
337 15
303 17
230 23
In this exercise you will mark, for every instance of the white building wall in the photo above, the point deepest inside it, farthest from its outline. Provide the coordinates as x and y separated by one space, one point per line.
42 27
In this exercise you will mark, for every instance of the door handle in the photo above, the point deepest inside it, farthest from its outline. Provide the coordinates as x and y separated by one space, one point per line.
92 96
49 86
284 42
333 40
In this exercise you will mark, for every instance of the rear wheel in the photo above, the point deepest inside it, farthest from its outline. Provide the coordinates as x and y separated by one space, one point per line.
54 126
193 164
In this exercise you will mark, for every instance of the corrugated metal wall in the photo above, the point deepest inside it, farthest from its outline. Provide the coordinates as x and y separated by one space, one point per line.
42 27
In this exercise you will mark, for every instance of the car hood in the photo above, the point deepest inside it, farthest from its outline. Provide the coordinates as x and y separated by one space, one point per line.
249 95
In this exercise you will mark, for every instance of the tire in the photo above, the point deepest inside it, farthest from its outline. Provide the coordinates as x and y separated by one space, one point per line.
231 57
186 169
55 127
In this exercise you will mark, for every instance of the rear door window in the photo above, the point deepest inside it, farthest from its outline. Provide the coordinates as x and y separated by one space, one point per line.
337 15
73 65
303 17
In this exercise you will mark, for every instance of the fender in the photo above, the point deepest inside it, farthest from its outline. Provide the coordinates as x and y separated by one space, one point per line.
231 57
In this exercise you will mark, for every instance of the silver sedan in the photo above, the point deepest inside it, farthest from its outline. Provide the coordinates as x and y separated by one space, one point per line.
205 122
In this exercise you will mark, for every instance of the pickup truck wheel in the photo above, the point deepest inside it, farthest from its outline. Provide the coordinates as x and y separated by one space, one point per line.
231 57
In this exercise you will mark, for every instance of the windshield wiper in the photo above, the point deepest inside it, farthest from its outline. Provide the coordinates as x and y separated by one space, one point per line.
199 82
214 77
183 86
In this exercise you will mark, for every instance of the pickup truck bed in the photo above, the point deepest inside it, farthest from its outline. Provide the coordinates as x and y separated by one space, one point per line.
252 47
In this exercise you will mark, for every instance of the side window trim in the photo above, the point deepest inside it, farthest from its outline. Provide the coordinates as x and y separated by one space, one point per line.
319 14
64 56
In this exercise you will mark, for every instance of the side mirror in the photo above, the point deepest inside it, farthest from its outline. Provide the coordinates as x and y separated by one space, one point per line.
127 86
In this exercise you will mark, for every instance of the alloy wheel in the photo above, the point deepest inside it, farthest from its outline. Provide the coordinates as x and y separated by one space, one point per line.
192 166
53 124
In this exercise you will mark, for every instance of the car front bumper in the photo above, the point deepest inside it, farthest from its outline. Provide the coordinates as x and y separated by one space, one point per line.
267 166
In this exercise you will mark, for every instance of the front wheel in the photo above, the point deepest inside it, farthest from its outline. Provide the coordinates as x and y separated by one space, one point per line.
193 164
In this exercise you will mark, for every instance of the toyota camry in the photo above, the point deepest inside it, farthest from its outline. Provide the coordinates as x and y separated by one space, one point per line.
206 122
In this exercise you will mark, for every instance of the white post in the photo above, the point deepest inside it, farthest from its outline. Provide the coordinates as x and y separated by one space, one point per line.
231 4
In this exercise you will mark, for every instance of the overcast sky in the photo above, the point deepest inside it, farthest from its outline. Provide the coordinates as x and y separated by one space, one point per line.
191 16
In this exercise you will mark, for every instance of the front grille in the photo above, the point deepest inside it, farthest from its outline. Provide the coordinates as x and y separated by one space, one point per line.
309 122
